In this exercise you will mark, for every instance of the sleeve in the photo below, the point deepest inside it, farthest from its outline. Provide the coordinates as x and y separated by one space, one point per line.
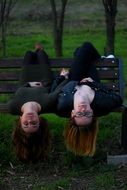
26 85
15 103
65 99
105 100
13 107
58 83
112 101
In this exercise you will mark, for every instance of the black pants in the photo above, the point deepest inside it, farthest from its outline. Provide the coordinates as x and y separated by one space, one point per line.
37 57
36 67
85 57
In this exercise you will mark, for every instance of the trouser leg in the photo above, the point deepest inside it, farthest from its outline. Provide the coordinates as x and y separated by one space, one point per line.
42 59
83 66
30 58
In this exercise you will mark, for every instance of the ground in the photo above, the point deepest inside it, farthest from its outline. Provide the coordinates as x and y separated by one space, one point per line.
74 174
43 176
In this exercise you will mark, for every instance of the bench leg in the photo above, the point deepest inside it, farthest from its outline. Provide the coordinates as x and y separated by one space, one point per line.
124 129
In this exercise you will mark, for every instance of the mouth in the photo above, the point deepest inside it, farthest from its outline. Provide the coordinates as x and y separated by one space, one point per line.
30 114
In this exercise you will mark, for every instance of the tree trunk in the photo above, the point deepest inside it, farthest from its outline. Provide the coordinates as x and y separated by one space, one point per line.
4 39
110 15
110 35
5 8
58 23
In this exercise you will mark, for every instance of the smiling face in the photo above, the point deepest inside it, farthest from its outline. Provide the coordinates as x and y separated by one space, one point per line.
30 122
82 114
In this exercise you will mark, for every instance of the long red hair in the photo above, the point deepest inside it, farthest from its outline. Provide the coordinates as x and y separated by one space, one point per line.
81 140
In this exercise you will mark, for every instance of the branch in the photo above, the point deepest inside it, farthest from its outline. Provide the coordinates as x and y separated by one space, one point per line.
64 3
53 5
110 6
5 9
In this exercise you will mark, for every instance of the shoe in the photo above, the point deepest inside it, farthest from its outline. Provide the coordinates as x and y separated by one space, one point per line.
110 56
103 56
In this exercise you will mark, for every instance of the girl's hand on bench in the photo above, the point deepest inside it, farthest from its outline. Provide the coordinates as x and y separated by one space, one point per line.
89 79
64 72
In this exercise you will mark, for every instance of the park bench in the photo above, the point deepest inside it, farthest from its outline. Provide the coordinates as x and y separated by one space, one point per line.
110 72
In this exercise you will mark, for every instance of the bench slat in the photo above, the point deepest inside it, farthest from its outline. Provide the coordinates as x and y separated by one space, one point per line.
8 88
56 63
12 87
3 108
14 75
108 74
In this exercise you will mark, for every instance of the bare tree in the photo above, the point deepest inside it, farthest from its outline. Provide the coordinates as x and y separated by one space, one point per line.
58 24
5 9
110 15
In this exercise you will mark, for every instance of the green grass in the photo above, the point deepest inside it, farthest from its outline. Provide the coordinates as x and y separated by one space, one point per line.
59 184
18 45
105 181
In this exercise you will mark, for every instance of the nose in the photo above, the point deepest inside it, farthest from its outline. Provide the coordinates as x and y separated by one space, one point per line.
30 121
29 117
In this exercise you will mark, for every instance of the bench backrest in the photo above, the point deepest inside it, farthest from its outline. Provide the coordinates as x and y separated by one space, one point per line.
110 72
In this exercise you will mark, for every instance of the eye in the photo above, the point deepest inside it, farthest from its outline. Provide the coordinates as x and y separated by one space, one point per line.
79 114
34 122
25 123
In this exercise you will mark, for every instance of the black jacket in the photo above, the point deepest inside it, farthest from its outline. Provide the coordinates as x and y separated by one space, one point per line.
105 100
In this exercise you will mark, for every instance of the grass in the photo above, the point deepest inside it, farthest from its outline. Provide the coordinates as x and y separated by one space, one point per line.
105 181
63 169
71 40
59 184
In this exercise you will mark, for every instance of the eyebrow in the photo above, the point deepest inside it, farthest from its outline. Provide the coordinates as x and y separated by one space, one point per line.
26 126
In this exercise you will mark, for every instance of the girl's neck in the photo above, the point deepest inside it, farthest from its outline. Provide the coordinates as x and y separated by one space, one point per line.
83 95
30 107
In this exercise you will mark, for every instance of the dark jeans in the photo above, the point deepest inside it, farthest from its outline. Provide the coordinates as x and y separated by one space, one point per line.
85 57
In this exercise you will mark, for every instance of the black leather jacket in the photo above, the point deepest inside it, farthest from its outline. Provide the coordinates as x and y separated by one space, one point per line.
105 100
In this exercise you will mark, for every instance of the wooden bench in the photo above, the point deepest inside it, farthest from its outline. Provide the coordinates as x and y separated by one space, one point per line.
110 72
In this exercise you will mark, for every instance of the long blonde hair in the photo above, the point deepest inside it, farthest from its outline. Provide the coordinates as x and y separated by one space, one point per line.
81 140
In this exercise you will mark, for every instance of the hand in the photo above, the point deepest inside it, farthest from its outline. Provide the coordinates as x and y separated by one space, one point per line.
64 72
35 84
87 80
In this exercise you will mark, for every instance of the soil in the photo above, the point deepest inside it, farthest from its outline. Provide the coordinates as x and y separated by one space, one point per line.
78 175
